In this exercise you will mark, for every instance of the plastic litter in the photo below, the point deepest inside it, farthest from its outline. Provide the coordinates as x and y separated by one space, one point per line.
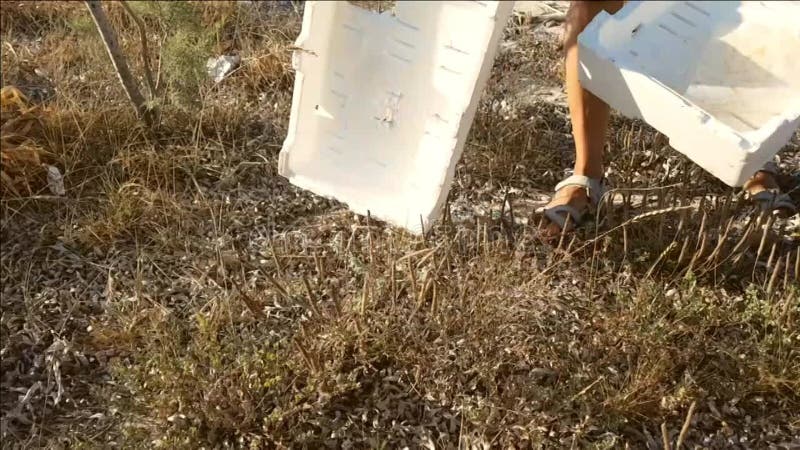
382 103
55 181
718 78
218 68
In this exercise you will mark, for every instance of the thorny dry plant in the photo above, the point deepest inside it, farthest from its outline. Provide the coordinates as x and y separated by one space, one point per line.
183 295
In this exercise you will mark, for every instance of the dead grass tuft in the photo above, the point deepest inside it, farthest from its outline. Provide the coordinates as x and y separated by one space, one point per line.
33 18
23 157
133 212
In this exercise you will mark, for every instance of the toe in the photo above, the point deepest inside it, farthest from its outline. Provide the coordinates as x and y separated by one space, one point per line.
552 230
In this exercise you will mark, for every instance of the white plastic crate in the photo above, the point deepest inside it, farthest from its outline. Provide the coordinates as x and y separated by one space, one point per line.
721 79
382 103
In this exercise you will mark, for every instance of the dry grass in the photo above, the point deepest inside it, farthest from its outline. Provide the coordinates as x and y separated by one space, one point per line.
181 294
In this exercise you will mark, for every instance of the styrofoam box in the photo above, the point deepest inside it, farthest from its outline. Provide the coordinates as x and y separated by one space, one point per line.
721 79
383 103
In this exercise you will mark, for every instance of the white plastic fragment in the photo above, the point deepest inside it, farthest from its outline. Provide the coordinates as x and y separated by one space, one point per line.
55 181
382 103
535 8
720 79
218 68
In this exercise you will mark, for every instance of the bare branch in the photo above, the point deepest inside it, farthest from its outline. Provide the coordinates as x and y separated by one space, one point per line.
118 60
148 73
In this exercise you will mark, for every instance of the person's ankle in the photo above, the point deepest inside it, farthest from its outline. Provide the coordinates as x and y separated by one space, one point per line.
591 172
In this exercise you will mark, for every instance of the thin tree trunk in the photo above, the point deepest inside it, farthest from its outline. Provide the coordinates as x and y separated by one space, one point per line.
148 74
118 60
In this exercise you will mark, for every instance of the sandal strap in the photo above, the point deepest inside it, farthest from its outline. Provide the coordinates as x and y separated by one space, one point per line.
769 167
772 199
594 186
558 215
767 195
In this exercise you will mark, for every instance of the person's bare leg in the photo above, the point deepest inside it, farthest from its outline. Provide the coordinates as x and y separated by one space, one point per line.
589 114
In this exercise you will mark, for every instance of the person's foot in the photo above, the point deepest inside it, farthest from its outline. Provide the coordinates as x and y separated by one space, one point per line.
760 182
764 181
574 196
